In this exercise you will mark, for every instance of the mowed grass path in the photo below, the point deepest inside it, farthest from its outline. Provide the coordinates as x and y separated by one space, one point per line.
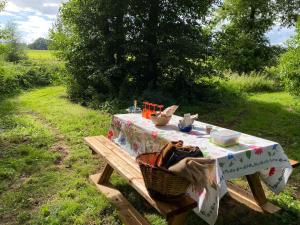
44 164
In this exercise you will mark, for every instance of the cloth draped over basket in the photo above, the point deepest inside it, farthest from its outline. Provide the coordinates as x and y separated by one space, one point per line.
203 175
199 171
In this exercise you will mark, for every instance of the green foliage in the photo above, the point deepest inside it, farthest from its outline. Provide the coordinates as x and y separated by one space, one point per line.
289 65
240 26
287 11
119 49
2 4
241 45
15 51
27 74
249 83
39 44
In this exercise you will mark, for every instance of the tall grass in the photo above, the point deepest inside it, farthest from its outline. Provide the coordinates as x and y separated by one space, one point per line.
253 82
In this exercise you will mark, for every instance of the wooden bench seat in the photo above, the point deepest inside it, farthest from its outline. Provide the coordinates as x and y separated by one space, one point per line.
120 161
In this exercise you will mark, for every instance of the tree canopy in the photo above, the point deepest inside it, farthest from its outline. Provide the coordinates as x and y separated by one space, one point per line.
121 48
127 48
240 41
13 49
39 44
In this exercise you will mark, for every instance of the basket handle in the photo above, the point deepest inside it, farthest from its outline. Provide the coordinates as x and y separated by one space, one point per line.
159 155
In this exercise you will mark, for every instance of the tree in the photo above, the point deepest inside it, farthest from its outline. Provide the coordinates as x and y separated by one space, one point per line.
2 32
115 49
240 42
287 11
289 64
2 5
39 44
14 49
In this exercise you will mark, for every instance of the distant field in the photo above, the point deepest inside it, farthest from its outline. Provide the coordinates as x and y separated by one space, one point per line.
47 55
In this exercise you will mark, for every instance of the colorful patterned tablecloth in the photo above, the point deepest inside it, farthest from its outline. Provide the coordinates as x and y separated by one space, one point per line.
137 135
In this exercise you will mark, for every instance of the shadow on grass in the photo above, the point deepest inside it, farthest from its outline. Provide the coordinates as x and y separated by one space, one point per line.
268 120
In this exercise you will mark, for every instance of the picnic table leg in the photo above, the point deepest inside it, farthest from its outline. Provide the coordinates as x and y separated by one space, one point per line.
257 189
106 174
93 152
178 219
256 200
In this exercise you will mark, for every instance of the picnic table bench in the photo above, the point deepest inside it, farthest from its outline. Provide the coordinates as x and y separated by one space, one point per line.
175 213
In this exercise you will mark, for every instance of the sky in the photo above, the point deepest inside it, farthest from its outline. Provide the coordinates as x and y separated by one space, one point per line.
34 18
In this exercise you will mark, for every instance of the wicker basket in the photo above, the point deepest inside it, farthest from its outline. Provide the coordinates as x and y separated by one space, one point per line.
161 183
160 120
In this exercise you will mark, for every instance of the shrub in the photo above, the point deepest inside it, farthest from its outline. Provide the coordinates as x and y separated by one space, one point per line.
8 84
26 74
290 70
289 64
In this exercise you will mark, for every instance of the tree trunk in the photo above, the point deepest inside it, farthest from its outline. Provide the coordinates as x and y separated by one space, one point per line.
152 43
252 19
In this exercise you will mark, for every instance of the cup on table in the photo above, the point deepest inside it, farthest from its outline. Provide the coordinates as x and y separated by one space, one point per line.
208 128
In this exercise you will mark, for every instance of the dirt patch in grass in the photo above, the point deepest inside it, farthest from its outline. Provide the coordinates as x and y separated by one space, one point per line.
60 144
63 150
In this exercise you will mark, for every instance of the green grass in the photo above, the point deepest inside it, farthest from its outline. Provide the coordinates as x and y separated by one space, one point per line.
36 186
44 164
41 55
249 83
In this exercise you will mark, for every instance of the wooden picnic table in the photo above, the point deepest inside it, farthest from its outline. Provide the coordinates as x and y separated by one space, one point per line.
126 132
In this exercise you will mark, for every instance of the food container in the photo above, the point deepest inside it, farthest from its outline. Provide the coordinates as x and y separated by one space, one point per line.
225 138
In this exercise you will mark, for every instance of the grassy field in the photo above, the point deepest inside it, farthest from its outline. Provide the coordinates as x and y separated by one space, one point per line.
47 55
44 164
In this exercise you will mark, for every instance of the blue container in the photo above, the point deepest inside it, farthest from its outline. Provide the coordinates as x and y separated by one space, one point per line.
185 129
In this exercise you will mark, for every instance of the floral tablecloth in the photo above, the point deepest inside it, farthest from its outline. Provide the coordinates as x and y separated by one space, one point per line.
138 135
